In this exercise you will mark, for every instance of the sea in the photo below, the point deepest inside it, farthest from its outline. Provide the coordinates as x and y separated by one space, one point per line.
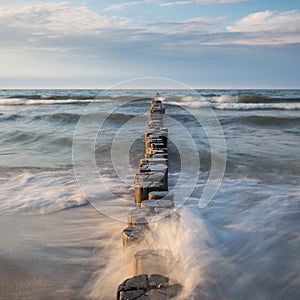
67 161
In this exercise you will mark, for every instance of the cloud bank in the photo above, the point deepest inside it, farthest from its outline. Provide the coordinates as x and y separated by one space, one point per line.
57 25
65 39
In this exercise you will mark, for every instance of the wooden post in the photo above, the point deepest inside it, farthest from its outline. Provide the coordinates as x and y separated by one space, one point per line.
151 261
144 287
132 234
139 216
159 195
141 190
157 204
153 204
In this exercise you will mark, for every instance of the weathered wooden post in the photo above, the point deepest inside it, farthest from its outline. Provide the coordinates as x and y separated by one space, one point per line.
132 234
151 267
139 216
149 261
152 205
160 195
141 190
144 287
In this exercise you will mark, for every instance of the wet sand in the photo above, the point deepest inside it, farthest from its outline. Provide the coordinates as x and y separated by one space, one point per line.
14 279
53 256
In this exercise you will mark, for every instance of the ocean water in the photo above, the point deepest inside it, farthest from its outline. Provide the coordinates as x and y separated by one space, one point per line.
244 244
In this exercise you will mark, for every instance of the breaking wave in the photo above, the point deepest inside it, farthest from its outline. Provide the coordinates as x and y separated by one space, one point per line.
258 106
60 100
235 102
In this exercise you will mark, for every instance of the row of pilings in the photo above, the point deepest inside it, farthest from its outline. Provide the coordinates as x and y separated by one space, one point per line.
152 264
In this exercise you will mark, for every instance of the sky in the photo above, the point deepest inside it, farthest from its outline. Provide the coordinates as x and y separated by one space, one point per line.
201 43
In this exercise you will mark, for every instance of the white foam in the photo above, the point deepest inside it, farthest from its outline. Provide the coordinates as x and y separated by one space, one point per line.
225 99
253 106
40 192
190 104
46 101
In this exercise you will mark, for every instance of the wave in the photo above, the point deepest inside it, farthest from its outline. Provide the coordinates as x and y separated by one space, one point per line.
190 104
233 98
13 117
264 99
257 106
51 97
238 106
222 103
237 101
262 120
21 137
59 100
67 118
54 117
223 100
26 101
44 192
75 96
62 142
250 99
58 118
70 118
226 103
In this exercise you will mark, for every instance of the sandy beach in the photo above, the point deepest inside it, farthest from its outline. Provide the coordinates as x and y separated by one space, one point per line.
53 256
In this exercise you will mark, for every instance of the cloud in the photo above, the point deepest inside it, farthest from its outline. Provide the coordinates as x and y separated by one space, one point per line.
199 2
268 28
261 28
59 18
120 6
198 20
264 28
188 26
58 27
267 21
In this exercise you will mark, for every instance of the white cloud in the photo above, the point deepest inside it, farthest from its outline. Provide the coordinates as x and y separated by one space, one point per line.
199 2
197 20
58 18
260 28
264 40
267 28
188 26
62 27
267 21
120 6
175 3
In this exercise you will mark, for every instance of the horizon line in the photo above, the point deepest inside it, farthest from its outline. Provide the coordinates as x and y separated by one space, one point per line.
150 88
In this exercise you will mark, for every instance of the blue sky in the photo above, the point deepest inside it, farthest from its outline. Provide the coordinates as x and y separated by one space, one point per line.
202 43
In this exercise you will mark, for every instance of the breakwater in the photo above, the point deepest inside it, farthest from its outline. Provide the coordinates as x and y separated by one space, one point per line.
154 209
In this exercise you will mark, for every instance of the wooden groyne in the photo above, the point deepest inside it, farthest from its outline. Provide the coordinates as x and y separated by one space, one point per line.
151 267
